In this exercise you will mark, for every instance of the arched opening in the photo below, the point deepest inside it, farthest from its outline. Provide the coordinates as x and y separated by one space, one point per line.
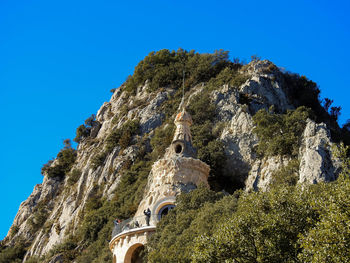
114 259
178 148
165 210
135 254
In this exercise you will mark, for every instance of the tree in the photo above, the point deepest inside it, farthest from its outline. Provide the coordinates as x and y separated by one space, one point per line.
327 103
84 130
64 162
264 228
280 134
192 217
335 112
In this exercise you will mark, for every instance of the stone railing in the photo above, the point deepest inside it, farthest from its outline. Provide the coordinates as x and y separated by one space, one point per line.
133 223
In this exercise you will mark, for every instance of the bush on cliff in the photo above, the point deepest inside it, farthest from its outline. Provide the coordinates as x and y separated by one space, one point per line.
64 162
164 68
280 134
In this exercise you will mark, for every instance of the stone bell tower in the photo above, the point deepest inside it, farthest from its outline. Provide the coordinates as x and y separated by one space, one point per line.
178 171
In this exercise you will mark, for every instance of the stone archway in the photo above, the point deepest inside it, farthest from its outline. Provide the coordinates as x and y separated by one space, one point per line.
134 254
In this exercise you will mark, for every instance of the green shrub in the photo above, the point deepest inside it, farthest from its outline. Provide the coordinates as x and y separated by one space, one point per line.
98 159
58 228
67 249
164 68
230 76
65 160
302 92
162 138
192 217
280 134
123 135
33 259
285 224
81 132
39 217
264 228
12 254
84 130
47 226
201 108
209 149
288 174
73 176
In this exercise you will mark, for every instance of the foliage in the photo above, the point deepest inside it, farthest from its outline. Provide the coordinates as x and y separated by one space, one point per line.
335 113
33 259
161 140
164 68
81 132
276 226
67 249
12 254
119 137
84 130
64 162
264 228
329 239
345 131
201 108
123 135
73 176
98 159
229 75
280 134
209 149
47 226
286 224
287 175
192 216
39 217
304 92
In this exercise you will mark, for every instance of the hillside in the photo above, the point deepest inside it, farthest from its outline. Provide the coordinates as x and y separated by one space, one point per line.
264 132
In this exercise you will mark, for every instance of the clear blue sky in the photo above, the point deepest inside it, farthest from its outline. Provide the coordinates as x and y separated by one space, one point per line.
59 59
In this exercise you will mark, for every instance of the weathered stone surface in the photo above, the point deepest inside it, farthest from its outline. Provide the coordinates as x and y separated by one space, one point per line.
261 172
233 123
316 162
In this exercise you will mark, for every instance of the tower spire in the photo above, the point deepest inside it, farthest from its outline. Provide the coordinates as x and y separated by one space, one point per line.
182 140
182 103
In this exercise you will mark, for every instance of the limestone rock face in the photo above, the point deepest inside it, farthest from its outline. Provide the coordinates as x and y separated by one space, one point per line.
316 163
261 172
235 107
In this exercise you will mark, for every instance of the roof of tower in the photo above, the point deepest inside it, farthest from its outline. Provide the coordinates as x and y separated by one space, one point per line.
183 116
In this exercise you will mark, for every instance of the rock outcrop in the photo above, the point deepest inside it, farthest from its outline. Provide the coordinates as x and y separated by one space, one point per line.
262 89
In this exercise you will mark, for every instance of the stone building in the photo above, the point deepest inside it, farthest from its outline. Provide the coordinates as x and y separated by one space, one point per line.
176 172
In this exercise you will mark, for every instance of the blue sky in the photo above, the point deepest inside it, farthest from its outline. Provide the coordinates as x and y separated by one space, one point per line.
59 59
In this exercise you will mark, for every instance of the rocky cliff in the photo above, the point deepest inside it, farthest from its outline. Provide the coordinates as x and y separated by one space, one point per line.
262 85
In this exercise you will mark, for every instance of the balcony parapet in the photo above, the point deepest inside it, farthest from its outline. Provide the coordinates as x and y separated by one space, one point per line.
126 235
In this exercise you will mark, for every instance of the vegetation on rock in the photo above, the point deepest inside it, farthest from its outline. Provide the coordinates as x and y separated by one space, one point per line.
65 160
280 134
164 68
284 224
84 130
